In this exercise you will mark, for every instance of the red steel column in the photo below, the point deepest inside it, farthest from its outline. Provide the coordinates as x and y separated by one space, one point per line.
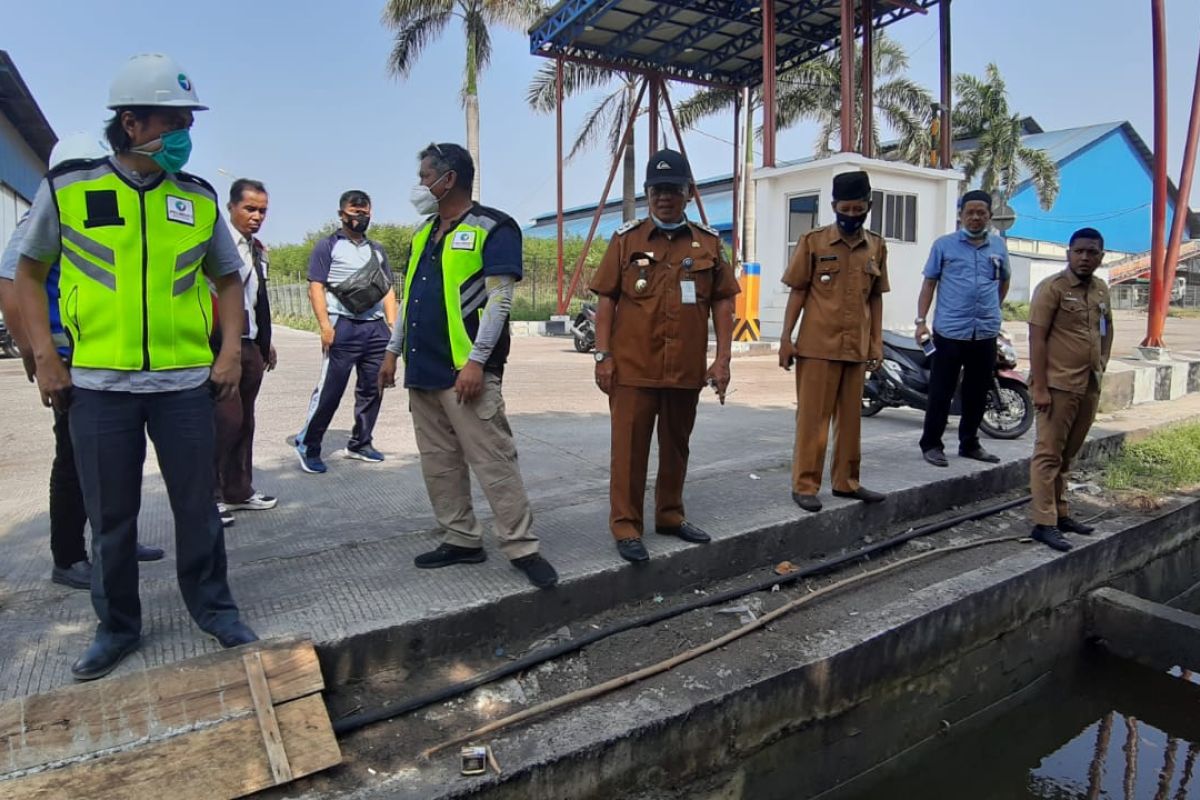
768 85
868 79
847 46
655 83
1185 190
558 113
1158 215
946 135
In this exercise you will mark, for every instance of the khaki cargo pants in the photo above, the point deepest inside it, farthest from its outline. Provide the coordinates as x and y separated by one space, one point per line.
451 437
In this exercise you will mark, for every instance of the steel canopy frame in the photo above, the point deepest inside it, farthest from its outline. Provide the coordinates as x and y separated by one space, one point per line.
730 44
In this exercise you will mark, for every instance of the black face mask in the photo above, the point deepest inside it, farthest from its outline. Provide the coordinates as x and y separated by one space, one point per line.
358 222
850 224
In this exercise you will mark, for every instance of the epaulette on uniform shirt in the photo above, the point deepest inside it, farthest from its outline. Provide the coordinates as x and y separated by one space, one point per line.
627 227
706 228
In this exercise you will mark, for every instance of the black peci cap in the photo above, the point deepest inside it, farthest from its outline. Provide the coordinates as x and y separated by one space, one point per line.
852 186
668 166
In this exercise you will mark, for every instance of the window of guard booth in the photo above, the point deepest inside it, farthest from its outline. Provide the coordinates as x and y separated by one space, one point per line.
894 216
801 218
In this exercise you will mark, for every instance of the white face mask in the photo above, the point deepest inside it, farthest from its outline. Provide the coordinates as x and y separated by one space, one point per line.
423 198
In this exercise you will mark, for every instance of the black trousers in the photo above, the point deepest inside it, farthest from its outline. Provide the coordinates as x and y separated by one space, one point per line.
975 359
67 516
109 432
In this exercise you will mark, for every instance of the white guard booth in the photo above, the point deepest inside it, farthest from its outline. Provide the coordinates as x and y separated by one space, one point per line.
912 207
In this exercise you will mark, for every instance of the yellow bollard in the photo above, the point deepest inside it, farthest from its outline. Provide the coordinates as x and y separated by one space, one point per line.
746 323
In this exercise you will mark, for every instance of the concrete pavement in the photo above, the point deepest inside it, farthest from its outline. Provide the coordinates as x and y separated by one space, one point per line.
334 560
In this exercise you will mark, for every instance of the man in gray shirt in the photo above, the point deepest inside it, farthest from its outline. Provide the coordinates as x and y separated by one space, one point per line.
136 237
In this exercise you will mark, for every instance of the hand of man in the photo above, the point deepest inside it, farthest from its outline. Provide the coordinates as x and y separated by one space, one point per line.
718 377
54 383
604 375
921 334
387 371
787 353
1041 398
30 364
327 336
272 359
470 383
872 364
226 373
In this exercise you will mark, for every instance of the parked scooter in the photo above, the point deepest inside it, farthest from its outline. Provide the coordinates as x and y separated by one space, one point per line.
584 328
7 344
903 380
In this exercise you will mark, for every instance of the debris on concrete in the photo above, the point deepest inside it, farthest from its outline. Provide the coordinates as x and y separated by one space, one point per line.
785 567
561 635
1085 488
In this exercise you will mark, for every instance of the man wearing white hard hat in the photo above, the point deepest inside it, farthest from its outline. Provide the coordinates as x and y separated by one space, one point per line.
67 518
137 237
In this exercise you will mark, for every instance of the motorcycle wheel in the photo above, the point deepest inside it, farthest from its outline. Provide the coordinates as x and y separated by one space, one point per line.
871 407
583 344
1013 416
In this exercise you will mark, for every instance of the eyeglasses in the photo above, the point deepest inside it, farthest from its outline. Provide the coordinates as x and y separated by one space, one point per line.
668 189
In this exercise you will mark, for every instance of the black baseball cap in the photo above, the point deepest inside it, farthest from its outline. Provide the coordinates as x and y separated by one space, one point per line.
668 166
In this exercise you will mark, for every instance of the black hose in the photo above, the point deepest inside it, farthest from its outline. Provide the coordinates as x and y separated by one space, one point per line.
355 722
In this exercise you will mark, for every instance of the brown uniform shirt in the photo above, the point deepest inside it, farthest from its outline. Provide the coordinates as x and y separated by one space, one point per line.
658 340
1079 319
840 280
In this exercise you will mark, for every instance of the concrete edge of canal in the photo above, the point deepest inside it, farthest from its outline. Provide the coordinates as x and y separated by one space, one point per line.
889 681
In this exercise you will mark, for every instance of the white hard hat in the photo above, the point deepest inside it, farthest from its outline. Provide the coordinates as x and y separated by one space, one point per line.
76 145
153 79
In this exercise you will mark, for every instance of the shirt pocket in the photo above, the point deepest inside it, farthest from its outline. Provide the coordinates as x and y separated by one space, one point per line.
871 274
1075 308
638 269
703 274
826 275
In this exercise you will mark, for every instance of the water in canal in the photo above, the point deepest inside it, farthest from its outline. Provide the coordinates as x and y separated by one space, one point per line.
1102 730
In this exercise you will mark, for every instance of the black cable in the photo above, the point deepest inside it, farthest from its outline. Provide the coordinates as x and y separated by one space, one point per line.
355 722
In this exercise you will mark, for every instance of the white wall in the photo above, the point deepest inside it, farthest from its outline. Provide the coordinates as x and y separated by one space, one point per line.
936 191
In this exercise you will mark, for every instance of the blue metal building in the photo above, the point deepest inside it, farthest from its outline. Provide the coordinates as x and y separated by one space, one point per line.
26 139
1104 177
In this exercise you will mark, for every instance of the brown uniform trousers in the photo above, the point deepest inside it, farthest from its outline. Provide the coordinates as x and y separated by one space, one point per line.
1061 431
837 333
1078 322
659 346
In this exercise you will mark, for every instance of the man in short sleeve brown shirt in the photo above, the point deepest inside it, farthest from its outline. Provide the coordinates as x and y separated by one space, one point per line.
660 281
838 275
1070 339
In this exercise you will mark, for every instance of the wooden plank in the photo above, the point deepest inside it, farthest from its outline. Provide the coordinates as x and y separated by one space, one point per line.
223 761
1149 633
147 705
267 724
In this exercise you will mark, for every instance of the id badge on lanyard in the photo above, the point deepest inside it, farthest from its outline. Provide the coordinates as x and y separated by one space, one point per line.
1103 320
687 285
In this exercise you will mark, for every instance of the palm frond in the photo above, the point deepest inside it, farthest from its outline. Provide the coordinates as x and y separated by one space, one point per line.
1043 173
412 38
542 95
704 103
596 124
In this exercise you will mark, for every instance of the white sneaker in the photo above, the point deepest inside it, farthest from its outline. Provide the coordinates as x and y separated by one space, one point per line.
226 515
256 502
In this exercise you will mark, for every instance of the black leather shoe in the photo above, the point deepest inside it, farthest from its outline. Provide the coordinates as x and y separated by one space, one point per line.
541 573
1068 525
102 658
77 576
808 502
936 457
865 495
632 550
237 633
447 554
145 553
686 531
979 454
1050 537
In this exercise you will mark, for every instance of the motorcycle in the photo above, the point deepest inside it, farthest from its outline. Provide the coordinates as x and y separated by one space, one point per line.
903 380
7 344
584 328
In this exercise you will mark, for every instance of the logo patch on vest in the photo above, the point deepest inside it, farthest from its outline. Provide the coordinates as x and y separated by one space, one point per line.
463 240
179 209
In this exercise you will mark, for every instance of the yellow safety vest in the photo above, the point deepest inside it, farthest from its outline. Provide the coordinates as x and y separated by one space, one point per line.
462 273
132 293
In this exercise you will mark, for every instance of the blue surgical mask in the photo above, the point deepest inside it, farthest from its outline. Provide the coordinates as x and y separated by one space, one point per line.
176 147
669 226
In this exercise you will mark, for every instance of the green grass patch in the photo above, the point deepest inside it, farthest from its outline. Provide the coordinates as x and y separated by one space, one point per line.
1166 460
300 323
1015 312
1184 313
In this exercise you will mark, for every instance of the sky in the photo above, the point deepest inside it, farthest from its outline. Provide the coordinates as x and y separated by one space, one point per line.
301 97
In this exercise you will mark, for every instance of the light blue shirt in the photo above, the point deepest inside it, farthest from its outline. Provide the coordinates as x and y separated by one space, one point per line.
968 291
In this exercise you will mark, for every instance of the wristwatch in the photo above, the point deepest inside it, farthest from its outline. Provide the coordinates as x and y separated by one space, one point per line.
602 355
919 321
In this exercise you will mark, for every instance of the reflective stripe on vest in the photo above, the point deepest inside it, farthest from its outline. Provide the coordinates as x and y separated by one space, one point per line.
462 277
132 295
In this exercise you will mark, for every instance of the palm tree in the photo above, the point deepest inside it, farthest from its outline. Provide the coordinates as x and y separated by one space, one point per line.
812 91
606 121
417 23
999 159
